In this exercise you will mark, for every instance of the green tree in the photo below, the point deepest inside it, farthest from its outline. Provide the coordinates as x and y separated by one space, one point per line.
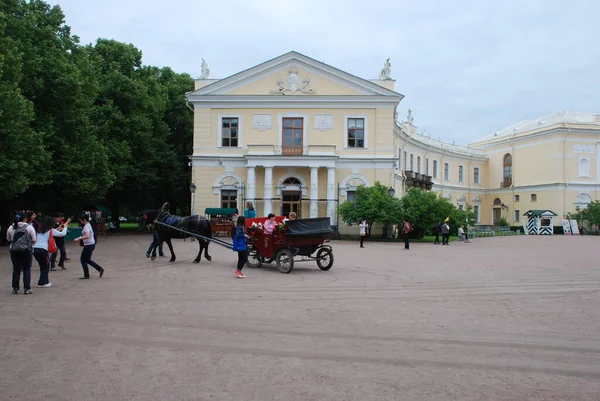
373 204
588 217
424 209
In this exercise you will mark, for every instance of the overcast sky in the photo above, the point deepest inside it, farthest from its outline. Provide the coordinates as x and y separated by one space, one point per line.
466 68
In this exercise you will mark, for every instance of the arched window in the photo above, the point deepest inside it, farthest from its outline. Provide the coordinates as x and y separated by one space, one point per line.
497 202
584 167
292 181
507 171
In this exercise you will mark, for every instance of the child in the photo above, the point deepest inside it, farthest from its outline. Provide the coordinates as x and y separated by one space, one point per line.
240 246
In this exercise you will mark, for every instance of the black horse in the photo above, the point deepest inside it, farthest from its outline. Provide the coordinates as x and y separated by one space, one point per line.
194 224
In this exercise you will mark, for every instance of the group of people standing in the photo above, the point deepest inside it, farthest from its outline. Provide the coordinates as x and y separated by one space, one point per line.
29 238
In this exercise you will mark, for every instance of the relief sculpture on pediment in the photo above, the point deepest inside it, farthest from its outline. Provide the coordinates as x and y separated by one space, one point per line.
293 83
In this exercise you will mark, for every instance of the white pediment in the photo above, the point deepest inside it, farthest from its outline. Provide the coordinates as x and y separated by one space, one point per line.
293 74
477 199
462 199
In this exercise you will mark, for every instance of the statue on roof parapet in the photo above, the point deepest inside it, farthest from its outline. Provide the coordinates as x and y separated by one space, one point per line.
205 70
386 71
409 117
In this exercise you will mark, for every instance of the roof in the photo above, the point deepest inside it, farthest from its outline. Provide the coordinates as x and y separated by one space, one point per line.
561 117
218 86
539 213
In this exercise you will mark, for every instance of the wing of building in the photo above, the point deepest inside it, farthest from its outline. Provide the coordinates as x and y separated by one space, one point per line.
296 135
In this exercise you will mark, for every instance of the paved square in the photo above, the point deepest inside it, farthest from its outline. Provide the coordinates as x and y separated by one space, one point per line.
514 318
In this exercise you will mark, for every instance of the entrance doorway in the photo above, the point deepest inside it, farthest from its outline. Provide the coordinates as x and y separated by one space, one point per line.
290 202
497 215
291 197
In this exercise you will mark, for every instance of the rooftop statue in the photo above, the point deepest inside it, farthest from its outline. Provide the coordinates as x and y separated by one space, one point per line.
384 75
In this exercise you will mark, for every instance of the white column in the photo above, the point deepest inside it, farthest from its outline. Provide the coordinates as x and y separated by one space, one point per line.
251 185
314 192
331 194
268 190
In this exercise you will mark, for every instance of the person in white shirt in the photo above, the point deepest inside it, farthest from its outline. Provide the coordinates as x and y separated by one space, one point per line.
21 255
363 231
462 235
89 244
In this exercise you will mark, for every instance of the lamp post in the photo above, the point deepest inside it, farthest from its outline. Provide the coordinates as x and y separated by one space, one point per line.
391 191
193 191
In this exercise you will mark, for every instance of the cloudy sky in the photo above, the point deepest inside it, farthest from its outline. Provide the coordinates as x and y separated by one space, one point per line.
466 68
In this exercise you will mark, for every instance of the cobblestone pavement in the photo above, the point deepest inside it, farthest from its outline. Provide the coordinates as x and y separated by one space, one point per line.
510 318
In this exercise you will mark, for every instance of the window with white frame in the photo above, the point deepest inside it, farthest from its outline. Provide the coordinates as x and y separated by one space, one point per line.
229 132
412 162
435 165
426 166
228 198
476 175
461 173
405 159
419 164
356 132
476 213
351 196
517 198
533 197
461 207
446 171
399 158
517 215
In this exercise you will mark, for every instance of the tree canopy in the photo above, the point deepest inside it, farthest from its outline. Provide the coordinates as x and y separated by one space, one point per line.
422 209
85 124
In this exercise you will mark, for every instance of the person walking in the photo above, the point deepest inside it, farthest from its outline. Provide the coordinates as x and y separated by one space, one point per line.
21 237
249 212
240 245
437 229
61 229
445 233
155 242
363 231
405 231
88 239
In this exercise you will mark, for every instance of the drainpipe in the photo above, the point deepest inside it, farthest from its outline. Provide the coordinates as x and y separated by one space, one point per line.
565 173
512 183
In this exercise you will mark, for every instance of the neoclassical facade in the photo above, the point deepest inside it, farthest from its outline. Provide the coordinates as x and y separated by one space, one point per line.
295 134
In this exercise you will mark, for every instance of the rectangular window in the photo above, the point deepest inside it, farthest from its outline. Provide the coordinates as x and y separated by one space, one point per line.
229 131
476 213
461 207
293 136
351 196
461 173
517 215
517 198
476 175
399 158
419 164
356 132
446 171
405 159
229 199
533 197
426 166
412 162
435 169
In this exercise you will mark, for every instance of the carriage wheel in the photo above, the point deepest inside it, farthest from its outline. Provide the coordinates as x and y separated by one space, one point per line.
285 261
254 258
325 258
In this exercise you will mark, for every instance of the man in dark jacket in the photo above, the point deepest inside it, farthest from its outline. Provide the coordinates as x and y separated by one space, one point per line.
437 229
445 233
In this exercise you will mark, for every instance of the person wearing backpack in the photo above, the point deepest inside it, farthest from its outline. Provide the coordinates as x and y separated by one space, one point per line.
21 237
88 240
405 231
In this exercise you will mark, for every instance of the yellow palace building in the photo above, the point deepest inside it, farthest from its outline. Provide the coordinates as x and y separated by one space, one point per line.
295 134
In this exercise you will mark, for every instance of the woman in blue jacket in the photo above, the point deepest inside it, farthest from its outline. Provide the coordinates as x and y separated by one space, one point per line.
249 213
240 246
